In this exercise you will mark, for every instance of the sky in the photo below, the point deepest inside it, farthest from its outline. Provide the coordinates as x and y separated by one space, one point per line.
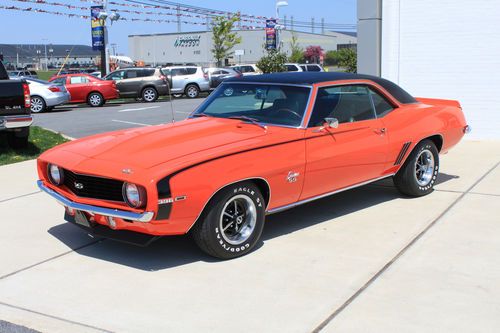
39 28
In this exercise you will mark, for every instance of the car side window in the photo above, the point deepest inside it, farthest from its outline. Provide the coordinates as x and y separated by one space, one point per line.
178 71
348 104
313 68
248 69
132 74
191 70
382 106
304 68
78 79
120 75
291 68
59 81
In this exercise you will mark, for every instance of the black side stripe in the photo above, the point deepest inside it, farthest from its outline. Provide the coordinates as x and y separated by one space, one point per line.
402 153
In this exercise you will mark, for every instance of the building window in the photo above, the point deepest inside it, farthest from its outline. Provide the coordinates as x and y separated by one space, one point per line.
197 52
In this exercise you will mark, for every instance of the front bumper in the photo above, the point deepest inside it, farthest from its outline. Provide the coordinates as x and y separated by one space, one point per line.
7 122
121 214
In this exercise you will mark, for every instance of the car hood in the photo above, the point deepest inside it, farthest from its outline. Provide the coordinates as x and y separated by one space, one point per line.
147 147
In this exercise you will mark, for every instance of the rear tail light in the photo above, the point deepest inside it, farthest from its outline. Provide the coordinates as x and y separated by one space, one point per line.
54 89
27 98
162 77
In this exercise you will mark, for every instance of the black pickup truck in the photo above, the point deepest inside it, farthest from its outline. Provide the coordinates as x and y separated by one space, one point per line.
15 113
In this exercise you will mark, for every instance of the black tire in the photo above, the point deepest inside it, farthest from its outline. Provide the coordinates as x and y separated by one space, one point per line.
208 231
95 99
192 91
411 179
149 94
38 104
18 139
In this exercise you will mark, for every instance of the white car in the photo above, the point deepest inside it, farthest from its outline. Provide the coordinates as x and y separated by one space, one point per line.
247 69
45 95
311 68
291 67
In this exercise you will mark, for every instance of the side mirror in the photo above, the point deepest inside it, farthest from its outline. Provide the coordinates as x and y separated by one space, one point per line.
331 122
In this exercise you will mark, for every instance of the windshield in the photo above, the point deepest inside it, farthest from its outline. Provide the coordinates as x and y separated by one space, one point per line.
265 103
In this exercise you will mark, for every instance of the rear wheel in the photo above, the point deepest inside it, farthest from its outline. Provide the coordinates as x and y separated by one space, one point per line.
419 172
37 104
95 99
192 91
149 94
233 221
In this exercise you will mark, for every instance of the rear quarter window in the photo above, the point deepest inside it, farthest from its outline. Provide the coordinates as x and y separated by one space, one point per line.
191 70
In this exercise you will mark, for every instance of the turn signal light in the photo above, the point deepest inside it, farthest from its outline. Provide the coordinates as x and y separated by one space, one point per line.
27 98
54 89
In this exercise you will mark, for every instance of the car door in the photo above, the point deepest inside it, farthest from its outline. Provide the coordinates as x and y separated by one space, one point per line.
118 77
179 79
78 87
132 82
352 153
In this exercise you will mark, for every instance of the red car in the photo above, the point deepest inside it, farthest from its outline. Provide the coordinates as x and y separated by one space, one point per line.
85 88
257 145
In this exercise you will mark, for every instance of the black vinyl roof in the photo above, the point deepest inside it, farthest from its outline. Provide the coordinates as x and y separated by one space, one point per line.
310 78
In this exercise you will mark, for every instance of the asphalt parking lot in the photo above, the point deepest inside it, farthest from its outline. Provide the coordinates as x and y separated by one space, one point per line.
365 260
81 120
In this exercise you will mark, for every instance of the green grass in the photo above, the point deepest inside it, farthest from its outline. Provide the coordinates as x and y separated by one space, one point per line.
39 141
45 75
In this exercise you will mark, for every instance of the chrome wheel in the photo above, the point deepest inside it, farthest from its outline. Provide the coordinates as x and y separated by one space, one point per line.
95 100
238 219
37 104
424 167
192 92
149 95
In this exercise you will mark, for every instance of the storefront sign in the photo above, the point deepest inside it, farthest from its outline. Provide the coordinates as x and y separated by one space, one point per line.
97 26
187 41
271 34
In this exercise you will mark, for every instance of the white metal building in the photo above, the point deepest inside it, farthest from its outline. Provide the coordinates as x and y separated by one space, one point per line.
194 47
442 49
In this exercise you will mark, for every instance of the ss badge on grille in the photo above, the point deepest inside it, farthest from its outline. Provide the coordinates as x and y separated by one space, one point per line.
78 186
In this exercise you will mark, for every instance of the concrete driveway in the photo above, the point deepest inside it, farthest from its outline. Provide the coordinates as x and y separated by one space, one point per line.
366 260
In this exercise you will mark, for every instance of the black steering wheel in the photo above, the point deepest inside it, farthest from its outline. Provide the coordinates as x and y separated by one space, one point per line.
294 113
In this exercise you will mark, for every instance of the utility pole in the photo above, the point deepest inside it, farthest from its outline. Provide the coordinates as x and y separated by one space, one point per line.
312 24
322 25
284 21
178 18
208 22
46 59
291 22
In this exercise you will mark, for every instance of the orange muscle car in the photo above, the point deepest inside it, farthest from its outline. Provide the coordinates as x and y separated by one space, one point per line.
257 145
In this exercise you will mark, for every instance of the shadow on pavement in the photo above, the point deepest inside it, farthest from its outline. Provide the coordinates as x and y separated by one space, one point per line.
172 251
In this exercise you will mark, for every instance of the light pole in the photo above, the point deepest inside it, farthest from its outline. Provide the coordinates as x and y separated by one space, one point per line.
280 3
46 60
51 51
38 52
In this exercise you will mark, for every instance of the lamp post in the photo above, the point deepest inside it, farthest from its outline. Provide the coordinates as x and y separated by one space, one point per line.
38 52
46 60
280 3
51 51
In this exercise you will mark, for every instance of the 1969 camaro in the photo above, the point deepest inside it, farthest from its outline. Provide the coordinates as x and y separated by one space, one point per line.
257 145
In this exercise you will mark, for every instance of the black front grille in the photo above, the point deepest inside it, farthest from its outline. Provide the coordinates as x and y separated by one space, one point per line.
93 187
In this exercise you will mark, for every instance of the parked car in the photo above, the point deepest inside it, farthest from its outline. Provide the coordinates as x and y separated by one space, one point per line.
85 88
140 82
188 80
311 68
45 95
291 67
217 75
243 154
247 69
15 114
23 73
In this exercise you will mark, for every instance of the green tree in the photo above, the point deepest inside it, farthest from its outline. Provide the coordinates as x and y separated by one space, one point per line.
273 61
224 39
348 58
297 51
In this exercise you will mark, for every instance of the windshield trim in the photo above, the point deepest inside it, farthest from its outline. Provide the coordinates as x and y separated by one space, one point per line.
301 126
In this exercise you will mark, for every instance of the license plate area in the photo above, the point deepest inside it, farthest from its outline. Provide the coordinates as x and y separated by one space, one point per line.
82 219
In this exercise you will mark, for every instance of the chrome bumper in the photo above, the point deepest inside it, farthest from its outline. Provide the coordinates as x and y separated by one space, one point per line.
7 122
121 214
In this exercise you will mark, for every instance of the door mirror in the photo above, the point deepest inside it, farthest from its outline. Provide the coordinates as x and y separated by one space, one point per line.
331 122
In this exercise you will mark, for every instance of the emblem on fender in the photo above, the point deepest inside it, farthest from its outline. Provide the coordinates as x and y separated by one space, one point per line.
292 177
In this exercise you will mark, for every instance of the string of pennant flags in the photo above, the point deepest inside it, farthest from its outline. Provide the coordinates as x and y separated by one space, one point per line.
80 16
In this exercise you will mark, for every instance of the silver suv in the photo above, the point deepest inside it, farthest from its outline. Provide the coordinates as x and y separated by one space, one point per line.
189 80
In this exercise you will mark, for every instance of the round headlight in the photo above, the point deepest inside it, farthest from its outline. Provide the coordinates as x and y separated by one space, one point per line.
134 195
56 174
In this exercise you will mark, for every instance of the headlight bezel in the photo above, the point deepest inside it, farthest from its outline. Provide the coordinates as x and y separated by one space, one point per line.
129 190
59 179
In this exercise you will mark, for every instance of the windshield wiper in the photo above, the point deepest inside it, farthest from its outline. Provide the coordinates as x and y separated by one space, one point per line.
201 114
251 120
